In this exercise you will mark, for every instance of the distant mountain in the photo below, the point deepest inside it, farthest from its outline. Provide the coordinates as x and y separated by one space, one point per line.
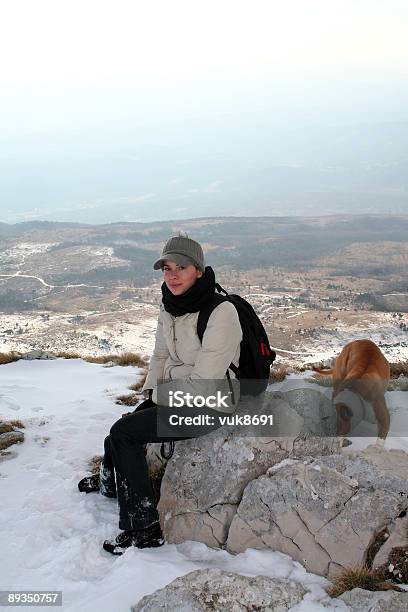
240 242
226 168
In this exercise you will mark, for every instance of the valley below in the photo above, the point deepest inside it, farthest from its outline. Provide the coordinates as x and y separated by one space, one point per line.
316 283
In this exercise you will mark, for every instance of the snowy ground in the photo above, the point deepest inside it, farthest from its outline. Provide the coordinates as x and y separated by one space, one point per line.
132 330
52 534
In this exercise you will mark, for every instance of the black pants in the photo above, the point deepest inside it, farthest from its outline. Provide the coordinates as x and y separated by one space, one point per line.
125 459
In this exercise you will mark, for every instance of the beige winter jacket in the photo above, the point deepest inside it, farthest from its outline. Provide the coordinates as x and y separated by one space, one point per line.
179 354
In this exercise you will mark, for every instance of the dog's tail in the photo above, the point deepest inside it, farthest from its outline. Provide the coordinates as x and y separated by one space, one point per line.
324 372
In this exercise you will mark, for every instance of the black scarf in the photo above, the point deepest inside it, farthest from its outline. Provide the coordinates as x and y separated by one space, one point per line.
194 299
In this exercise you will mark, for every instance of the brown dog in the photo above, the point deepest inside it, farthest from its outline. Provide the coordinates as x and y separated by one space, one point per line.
362 369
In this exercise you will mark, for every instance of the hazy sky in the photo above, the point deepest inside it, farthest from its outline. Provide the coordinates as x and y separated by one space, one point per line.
85 73
185 56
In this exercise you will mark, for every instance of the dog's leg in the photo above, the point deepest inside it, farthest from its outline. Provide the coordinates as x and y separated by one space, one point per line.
382 416
344 416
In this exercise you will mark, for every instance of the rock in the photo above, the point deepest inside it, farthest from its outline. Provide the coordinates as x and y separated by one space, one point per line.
5 427
220 591
204 481
324 512
109 364
314 408
360 600
392 462
398 384
9 438
38 354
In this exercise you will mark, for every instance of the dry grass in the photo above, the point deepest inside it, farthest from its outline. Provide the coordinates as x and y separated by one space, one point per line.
7 426
128 400
137 386
399 368
17 424
321 379
123 359
131 399
360 577
279 373
67 355
9 357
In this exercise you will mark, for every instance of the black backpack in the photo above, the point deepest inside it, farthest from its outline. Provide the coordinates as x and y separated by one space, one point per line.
256 355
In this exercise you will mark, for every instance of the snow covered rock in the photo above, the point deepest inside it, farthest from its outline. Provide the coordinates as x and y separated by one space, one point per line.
302 412
360 600
9 438
204 481
398 384
37 354
325 512
5 427
220 591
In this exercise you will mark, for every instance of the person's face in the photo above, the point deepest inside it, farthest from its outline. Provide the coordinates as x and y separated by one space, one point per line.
179 278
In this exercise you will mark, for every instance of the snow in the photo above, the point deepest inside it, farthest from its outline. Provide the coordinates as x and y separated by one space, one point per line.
382 328
53 536
302 312
29 248
58 331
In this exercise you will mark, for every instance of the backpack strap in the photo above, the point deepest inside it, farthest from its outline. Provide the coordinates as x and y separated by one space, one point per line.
167 454
205 312
202 321
221 289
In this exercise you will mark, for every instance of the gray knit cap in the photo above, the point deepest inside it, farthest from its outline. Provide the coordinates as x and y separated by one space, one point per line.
183 251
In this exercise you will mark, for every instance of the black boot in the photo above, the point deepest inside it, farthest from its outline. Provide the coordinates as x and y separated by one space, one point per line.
89 484
151 537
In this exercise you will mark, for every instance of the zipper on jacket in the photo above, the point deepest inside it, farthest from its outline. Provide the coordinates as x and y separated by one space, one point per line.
174 338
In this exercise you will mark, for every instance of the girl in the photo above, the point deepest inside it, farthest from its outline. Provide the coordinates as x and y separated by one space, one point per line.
178 355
